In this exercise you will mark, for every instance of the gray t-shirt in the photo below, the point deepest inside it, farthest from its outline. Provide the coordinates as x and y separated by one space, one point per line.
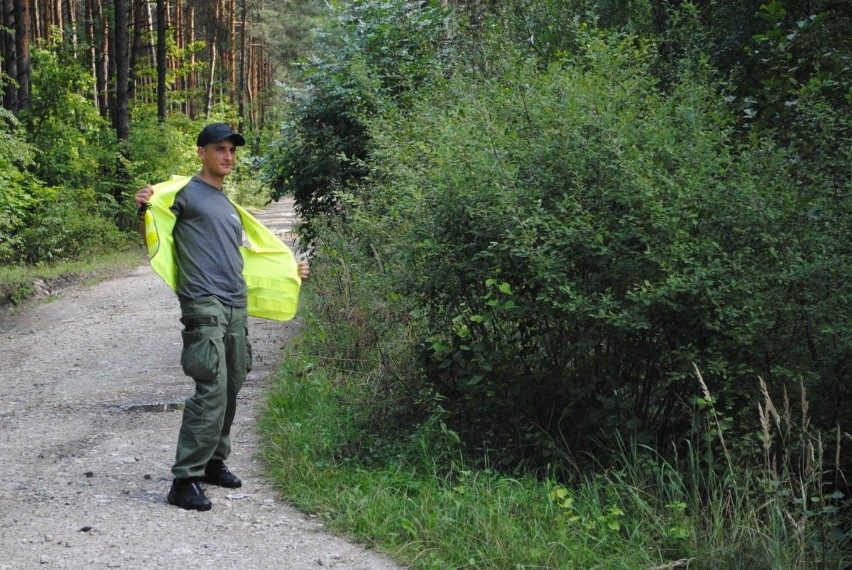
208 235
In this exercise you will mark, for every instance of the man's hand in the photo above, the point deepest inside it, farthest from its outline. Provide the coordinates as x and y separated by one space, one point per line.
143 196
304 270
141 201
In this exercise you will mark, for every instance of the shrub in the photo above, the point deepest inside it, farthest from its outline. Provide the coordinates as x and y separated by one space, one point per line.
68 227
574 237
16 198
161 150
564 235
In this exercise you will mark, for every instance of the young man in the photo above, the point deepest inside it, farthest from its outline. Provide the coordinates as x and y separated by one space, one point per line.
212 293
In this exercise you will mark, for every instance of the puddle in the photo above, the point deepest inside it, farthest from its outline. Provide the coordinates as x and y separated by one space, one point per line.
152 407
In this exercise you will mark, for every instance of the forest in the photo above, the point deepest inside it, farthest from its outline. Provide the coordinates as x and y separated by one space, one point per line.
581 291
100 98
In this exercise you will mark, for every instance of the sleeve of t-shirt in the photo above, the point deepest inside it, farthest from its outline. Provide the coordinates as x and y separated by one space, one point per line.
178 205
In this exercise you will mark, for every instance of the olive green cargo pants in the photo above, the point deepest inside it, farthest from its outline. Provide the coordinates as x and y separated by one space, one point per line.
217 355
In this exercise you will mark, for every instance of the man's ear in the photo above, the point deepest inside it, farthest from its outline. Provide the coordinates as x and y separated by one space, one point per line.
200 152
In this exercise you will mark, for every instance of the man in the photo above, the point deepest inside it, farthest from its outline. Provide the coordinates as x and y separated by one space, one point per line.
212 293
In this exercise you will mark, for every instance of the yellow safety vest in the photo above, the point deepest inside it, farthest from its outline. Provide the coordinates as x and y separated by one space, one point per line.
269 268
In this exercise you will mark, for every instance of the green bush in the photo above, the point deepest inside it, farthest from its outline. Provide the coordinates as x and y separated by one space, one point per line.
16 198
68 227
573 237
561 223
161 150
360 331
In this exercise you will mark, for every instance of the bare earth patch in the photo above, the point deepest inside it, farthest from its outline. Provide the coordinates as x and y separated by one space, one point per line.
89 389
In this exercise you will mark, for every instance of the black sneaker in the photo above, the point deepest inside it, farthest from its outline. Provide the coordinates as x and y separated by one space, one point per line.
217 474
187 494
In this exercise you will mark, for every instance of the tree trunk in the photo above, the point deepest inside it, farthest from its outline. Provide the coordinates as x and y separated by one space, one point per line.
22 49
9 61
161 60
232 49
189 24
250 75
121 107
241 81
211 75
70 25
213 26
34 20
15 55
138 45
181 79
100 54
42 18
56 16
151 32
121 103
93 51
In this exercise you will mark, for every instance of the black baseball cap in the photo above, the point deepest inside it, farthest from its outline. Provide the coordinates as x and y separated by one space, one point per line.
215 132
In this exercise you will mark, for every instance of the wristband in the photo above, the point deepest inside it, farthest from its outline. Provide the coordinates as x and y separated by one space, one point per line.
140 212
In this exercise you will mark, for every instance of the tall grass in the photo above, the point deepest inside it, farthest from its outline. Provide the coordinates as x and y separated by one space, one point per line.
780 501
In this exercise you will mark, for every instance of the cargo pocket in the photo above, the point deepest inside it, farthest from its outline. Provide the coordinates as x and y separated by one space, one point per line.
201 353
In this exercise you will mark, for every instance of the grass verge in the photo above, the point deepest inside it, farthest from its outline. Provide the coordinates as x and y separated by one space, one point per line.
21 283
418 512
645 512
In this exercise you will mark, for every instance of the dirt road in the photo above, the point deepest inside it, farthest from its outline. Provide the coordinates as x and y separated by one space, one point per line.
89 384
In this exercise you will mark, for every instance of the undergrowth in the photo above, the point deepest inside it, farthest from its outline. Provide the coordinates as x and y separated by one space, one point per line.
20 283
712 503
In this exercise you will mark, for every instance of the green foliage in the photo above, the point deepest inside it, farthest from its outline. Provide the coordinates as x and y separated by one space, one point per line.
74 144
319 153
548 28
804 104
18 187
754 508
288 30
784 59
183 63
770 50
372 54
539 224
362 331
548 230
571 238
561 237
247 191
161 150
67 225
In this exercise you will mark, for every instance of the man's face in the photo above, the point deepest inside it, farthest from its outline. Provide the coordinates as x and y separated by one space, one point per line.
218 158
